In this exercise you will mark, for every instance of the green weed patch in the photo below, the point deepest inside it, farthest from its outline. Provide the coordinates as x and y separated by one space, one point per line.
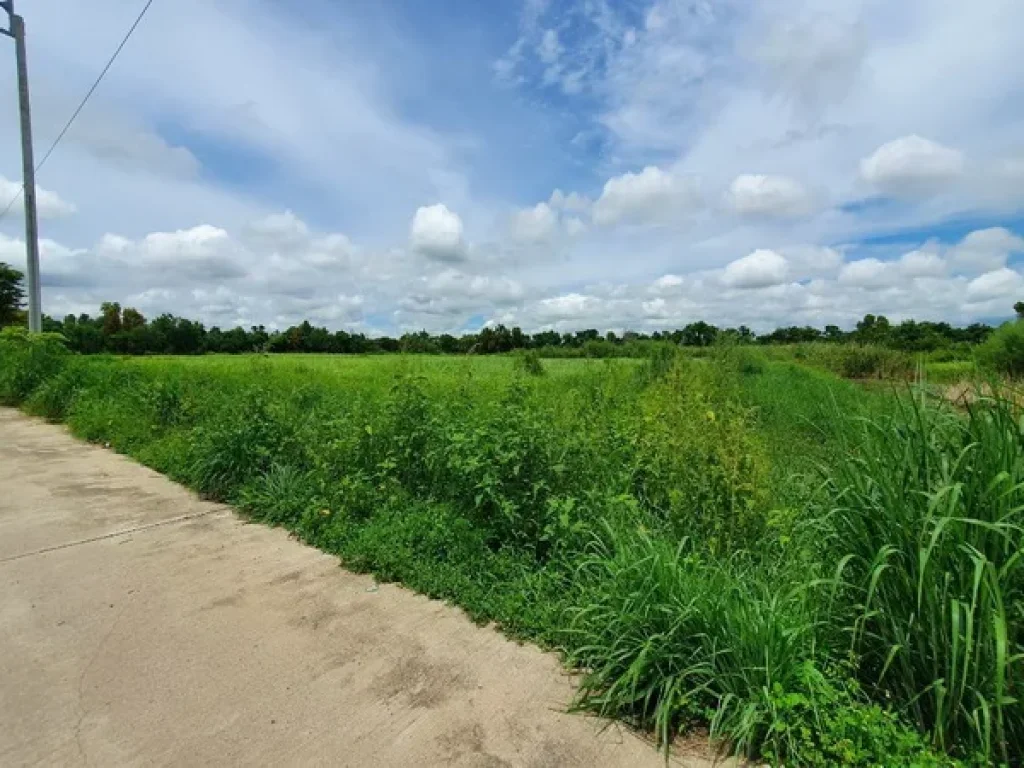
819 574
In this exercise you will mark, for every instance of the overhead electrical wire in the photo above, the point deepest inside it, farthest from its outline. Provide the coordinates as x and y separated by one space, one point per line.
84 101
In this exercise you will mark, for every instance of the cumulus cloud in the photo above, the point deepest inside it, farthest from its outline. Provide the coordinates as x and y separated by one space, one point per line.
922 263
574 226
911 164
203 251
572 202
667 283
986 249
865 273
759 269
812 261
996 284
760 195
649 196
452 293
280 229
436 232
49 205
534 224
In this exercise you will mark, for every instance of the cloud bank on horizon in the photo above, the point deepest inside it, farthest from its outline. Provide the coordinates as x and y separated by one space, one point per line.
560 164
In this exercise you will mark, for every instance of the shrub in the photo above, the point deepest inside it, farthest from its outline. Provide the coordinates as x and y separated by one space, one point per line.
26 361
528 362
856 361
697 463
1003 351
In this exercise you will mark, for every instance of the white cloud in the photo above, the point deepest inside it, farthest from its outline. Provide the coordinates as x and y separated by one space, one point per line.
281 229
912 164
995 284
759 269
49 205
648 196
437 233
668 282
574 227
985 250
866 273
203 251
922 263
569 306
549 49
534 224
812 261
760 195
573 202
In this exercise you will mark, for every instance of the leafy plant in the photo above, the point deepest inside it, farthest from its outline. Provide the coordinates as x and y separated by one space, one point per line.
1003 351
528 362
927 521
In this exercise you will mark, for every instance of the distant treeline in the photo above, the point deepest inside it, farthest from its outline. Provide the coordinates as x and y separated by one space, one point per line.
126 331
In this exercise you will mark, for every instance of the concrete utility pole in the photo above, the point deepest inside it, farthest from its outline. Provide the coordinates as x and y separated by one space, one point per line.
17 31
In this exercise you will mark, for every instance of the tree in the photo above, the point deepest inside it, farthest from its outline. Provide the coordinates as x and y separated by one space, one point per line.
12 294
1019 309
131 319
111 312
699 334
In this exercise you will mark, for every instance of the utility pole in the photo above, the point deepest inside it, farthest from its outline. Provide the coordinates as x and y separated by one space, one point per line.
17 31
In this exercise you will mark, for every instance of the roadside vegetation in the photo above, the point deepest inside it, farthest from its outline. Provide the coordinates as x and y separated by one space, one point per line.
818 572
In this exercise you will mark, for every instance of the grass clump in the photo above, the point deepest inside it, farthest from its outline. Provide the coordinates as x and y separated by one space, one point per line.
925 513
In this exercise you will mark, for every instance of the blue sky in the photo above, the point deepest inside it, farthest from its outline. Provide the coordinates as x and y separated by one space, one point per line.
641 164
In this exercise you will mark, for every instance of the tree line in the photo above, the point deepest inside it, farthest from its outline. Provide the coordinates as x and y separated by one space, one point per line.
126 331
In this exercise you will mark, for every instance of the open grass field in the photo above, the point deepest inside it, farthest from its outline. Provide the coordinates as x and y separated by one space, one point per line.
821 573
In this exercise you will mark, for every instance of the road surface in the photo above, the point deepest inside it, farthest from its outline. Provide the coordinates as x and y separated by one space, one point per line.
142 626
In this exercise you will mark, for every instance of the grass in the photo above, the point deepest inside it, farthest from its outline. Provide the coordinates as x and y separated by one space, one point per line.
819 572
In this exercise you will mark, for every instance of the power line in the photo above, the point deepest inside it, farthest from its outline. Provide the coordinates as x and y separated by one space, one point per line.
82 104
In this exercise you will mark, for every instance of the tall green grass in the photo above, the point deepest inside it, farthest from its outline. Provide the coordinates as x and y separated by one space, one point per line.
925 514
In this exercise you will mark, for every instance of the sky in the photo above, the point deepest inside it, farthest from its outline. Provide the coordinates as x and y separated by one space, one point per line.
393 165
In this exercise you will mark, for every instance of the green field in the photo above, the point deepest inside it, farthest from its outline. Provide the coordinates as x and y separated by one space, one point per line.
821 572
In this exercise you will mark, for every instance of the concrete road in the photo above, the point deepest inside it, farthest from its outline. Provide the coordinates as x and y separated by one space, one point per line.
142 626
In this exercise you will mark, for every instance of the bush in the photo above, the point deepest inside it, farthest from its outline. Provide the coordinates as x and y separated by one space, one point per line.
698 464
528 362
1003 352
854 361
26 361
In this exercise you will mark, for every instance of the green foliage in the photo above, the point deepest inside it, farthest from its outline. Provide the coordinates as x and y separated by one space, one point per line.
855 361
528 362
245 442
12 294
1003 352
697 462
26 361
827 721
924 514
709 539
281 496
